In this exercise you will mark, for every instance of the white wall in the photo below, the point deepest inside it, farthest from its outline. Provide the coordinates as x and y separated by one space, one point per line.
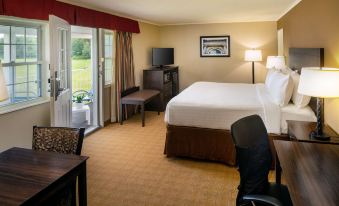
16 127
185 39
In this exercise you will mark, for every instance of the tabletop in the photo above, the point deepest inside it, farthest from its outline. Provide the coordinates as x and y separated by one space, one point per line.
300 131
24 172
311 172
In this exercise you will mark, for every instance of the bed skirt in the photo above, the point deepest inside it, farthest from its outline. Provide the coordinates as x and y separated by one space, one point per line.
205 144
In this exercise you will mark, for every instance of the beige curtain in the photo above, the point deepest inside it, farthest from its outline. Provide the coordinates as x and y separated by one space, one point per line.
124 71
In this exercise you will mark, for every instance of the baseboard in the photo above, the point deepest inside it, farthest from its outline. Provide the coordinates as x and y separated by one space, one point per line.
107 122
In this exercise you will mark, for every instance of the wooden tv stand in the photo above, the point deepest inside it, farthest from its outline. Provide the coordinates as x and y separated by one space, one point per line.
165 80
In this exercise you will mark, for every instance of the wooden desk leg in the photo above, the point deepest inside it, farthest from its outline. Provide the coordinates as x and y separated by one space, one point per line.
121 111
82 186
277 170
143 114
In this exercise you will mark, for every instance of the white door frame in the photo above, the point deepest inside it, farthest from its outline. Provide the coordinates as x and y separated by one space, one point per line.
94 109
101 75
102 85
96 79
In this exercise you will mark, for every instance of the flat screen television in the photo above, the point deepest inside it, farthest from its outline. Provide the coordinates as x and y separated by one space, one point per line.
162 56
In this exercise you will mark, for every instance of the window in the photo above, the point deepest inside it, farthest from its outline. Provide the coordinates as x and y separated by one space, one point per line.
21 58
109 58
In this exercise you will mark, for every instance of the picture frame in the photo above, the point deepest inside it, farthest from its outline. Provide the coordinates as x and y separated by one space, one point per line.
215 46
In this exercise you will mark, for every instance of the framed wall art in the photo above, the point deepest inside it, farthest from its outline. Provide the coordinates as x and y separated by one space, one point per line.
215 46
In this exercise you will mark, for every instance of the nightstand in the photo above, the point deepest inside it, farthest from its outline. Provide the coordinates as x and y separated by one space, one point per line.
299 131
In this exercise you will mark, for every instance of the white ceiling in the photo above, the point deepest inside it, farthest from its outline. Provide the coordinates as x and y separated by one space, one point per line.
164 12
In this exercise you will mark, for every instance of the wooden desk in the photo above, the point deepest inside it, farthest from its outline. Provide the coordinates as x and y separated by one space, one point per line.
300 131
141 98
310 170
30 177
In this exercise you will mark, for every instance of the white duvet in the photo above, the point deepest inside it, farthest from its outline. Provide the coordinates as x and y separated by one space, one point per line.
219 105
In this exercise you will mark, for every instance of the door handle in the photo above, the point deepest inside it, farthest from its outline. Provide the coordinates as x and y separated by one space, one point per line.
51 86
58 90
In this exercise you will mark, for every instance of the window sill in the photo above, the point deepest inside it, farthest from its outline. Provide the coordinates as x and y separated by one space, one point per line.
23 105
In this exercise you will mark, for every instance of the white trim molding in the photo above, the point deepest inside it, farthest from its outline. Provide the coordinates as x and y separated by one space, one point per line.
23 105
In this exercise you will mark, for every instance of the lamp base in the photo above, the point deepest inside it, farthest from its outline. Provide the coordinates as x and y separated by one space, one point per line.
321 137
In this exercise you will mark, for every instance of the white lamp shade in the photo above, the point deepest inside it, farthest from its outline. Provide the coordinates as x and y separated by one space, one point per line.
3 88
253 55
275 62
323 83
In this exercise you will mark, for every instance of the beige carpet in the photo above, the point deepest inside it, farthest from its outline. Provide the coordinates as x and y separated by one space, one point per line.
127 167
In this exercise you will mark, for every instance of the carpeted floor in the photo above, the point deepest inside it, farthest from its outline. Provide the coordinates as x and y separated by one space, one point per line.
127 167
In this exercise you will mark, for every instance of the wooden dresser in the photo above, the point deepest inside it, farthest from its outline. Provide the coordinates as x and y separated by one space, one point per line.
166 80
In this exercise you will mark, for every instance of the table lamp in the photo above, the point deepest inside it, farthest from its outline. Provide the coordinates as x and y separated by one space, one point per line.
253 55
3 88
320 83
275 62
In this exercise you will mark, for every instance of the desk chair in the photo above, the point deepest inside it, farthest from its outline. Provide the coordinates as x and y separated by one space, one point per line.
62 140
254 160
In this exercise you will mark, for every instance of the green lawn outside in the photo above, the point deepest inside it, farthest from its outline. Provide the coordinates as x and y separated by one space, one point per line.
81 78
24 89
81 74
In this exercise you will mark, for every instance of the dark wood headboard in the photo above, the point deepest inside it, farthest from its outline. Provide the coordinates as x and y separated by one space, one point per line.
306 57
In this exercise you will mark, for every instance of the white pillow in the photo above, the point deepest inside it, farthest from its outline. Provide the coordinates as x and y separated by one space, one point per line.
280 87
298 99
288 71
269 75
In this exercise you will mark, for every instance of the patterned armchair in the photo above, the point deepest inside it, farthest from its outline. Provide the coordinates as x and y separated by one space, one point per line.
62 140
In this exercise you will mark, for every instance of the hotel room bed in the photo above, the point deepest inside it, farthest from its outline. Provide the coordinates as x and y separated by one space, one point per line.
217 105
199 118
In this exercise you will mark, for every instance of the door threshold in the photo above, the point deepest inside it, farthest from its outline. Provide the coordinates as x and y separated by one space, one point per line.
91 130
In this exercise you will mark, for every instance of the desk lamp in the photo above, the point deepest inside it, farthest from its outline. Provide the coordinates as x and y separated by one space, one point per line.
321 83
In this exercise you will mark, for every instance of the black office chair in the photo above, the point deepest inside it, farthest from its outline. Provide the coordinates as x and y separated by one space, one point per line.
254 160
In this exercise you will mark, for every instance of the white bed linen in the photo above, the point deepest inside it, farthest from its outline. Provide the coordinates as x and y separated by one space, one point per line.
293 112
219 105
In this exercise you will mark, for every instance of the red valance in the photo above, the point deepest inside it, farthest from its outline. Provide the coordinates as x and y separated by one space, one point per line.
1 7
90 18
75 15
30 9
124 24
64 11
85 17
